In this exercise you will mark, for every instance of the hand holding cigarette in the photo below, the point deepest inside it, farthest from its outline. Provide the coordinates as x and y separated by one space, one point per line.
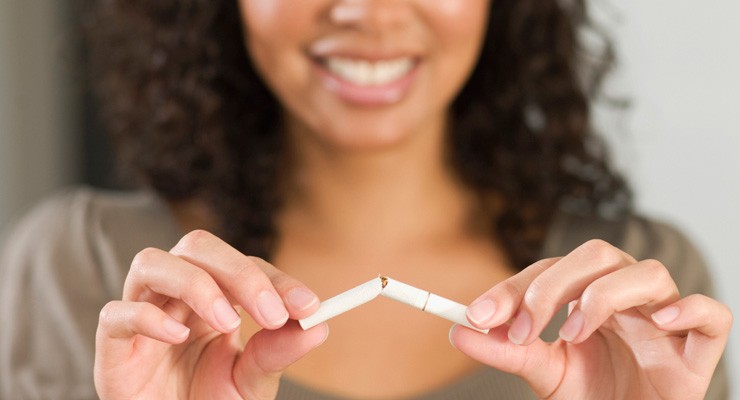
629 333
392 289
177 318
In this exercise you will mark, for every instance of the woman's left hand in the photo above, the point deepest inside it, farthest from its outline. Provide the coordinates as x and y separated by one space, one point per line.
629 334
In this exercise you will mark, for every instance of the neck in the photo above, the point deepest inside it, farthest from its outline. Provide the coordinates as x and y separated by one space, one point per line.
380 198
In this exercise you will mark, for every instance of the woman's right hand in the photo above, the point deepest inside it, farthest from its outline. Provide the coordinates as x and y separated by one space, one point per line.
175 333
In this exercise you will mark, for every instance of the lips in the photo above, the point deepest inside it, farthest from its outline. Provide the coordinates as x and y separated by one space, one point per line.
367 81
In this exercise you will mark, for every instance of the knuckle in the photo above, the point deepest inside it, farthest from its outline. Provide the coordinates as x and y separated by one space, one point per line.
531 300
194 240
257 261
546 263
705 316
701 306
541 266
539 294
655 270
602 252
713 307
108 314
246 272
143 260
283 280
596 246
199 280
264 267
199 285
595 297
511 289
700 302
729 317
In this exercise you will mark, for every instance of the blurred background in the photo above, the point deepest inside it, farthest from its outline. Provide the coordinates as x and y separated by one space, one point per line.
678 142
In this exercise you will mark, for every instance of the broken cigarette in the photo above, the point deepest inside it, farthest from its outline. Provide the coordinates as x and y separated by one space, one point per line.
343 302
426 301
392 289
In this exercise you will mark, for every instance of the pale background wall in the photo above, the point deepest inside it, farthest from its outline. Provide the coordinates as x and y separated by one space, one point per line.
39 131
679 144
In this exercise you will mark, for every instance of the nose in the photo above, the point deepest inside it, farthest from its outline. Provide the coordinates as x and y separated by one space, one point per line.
370 15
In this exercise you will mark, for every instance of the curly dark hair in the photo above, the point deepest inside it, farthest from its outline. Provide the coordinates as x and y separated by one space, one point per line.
190 117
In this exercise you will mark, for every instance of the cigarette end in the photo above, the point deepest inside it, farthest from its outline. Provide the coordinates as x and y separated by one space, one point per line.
383 281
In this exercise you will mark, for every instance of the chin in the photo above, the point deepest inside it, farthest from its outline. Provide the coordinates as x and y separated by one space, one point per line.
340 127
366 138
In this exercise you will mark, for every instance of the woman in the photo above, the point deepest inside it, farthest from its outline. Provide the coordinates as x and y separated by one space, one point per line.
444 143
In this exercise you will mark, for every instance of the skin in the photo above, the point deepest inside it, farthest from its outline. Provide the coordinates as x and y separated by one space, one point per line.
282 36
367 191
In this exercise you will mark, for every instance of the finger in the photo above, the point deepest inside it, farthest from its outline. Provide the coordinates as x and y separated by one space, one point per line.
540 365
120 322
160 272
646 285
708 323
498 305
563 282
246 281
298 299
268 353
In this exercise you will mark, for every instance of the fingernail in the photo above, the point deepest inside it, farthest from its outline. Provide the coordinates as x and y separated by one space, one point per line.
327 333
449 335
301 298
519 330
175 329
225 314
481 312
271 308
572 326
666 315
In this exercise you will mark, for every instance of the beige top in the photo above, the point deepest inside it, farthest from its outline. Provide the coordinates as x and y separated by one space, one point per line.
69 256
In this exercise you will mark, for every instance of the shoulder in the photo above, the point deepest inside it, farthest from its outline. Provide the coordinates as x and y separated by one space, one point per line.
59 264
52 229
87 229
641 237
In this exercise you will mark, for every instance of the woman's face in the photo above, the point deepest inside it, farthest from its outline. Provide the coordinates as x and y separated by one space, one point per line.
364 73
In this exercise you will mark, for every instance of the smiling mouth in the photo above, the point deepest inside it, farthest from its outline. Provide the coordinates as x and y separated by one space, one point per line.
367 73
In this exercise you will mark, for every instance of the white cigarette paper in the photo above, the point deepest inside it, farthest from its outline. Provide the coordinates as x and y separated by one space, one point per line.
428 302
343 302
404 293
392 289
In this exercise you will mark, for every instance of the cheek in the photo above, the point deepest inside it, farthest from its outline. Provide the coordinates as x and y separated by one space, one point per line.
260 18
274 27
459 28
459 25
258 9
276 32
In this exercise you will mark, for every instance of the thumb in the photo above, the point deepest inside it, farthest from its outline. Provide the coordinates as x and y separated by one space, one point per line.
539 364
268 353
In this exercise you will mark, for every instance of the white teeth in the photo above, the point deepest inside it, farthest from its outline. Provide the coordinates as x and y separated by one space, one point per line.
366 73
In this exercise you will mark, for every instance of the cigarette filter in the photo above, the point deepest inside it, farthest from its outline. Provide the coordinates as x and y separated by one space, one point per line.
343 302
